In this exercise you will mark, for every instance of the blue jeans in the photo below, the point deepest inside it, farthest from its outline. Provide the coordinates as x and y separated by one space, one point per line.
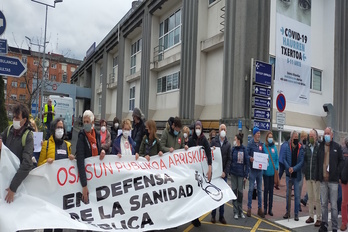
327 190
255 175
268 183
221 208
294 182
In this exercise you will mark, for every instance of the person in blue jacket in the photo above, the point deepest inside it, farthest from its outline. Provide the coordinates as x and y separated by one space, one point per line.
268 175
124 144
239 173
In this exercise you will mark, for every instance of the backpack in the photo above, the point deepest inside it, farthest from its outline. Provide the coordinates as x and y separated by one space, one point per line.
24 136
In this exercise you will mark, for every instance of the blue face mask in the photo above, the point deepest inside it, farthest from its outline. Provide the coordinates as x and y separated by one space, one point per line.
270 140
87 127
176 132
327 138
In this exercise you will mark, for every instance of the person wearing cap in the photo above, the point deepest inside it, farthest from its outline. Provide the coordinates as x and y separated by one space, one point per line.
255 145
172 138
48 116
198 139
138 128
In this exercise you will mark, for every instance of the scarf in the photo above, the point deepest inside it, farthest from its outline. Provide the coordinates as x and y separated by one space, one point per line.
93 142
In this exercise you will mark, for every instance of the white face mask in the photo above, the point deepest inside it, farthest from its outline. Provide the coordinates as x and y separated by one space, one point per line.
103 129
59 133
185 135
198 132
234 143
126 133
223 134
16 124
116 125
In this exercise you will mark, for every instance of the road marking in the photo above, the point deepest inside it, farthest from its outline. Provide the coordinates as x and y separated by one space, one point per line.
257 224
190 227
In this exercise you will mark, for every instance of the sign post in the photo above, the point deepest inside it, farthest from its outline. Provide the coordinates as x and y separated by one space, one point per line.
281 104
11 66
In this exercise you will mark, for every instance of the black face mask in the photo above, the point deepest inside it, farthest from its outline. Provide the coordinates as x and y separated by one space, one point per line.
295 141
304 142
147 132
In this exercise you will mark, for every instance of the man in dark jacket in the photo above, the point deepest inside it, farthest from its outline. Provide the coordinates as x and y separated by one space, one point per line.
313 186
172 138
225 146
138 128
328 173
12 138
255 145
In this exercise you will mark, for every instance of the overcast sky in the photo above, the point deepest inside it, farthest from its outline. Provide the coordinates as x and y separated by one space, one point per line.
72 26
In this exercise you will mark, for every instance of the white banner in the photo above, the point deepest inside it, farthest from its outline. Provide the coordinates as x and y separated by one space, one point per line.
124 194
293 52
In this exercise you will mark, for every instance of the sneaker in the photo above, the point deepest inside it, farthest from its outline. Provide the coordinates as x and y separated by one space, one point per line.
310 220
286 216
296 217
343 227
249 213
196 223
303 202
222 220
260 213
317 223
236 216
242 215
213 220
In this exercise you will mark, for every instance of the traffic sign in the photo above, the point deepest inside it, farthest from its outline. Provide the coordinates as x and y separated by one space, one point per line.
263 73
264 126
261 102
280 127
3 46
262 91
11 66
2 23
281 102
261 113
280 118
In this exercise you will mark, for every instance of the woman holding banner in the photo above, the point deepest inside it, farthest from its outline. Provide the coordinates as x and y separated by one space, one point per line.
88 145
124 144
150 145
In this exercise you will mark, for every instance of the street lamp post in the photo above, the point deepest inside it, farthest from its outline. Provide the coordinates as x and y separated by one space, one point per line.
44 51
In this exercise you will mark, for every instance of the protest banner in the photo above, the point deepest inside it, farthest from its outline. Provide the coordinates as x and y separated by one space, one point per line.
124 194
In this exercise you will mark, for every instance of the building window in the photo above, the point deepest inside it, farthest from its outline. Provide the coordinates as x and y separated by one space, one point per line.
22 97
72 69
46 76
115 64
35 75
14 84
316 76
211 1
168 83
135 48
22 85
131 98
24 59
5 94
64 78
170 31
13 96
53 77
54 65
36 62
99 104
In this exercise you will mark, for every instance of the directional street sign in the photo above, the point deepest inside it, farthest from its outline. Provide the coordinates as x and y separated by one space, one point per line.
2 23
261 113
3 46
261 102
11 66
263 73
262 125
261 91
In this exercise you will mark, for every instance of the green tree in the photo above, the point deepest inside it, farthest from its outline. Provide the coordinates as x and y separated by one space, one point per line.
3 113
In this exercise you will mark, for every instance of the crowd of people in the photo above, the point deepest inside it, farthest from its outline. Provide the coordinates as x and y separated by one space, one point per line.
322 164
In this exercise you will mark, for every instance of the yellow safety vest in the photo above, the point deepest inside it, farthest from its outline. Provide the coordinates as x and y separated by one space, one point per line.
46 110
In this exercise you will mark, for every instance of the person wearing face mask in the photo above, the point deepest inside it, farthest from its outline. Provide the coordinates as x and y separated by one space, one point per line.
105 137
239 173
172 138
114 129
268 175
138 128
55 148
225 147
329 161
12 138
255 145
198 139
186 134
313 185
150 145
124 144
88 145
293 162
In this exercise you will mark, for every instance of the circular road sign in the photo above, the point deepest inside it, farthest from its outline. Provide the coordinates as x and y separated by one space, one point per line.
2 23
281 102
